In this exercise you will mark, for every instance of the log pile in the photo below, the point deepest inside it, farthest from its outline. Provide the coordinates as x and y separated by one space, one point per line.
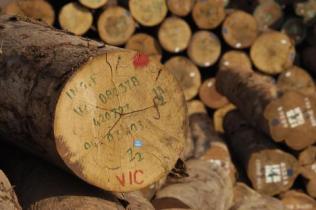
91 119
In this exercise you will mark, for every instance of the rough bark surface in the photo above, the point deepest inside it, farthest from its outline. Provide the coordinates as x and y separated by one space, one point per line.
8 199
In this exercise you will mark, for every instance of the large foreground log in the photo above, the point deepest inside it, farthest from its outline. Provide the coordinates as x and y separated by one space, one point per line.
115 117
285 117
8 199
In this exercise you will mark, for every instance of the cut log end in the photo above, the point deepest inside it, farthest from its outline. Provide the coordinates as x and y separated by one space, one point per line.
296 79
187 74
145 43
210 96
115 124
307 160
195 106
204 48
93 4
292 117
37 9
267 13
148 13
8 199
75 18
235 60
272 171
116 25
240 30
273 52
174 34
180 7
208 14
219 115
297 201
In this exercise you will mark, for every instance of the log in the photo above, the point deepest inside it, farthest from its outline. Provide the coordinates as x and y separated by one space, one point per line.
280 117
41 186
236 60
296 79
270 170
208 187
75 18
115 25
135 201
93 4
8 199
195 106
307 10
210 96
180 7
247 199
187 74
146 44
37 9
240 30
90 107
148 13
297 201
219 115
174 34
295 29
208 14
204 48
307 161
267 14
273 52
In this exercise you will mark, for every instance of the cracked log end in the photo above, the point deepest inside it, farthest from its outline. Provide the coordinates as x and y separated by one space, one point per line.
120 121
292 119
272 171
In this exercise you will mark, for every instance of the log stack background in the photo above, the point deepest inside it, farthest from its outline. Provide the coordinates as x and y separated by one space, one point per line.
247 70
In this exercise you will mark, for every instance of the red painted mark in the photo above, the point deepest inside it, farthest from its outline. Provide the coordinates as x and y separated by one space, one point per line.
133 178
140 60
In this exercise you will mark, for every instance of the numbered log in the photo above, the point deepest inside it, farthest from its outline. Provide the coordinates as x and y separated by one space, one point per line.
115 25
296 79
285 118
247 199
89 106
8 199
207 187
37 9
146 44
210 96
187 74
240 30
75 18
268 14
219 115
41 186
174 34
148 13
93 4
204 49
270 170
180 7
273 52
297 201
208 14
235 59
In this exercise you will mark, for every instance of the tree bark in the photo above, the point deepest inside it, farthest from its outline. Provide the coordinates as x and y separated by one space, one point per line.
107 113
270 170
